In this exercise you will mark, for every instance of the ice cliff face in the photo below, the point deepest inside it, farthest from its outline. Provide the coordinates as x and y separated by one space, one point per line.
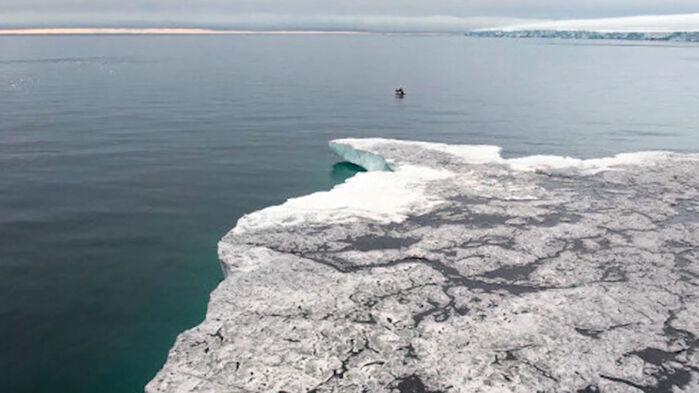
460 271
681 27
680 36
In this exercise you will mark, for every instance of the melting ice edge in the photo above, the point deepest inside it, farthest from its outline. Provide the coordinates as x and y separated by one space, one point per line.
459 271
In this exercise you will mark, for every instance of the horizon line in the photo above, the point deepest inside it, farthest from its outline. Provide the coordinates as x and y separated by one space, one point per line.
192 31
433 25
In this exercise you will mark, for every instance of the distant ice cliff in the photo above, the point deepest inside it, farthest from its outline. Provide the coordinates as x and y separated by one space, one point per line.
684 27
682 36
459 271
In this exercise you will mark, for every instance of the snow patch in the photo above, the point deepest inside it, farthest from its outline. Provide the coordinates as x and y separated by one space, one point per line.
398 184
379 196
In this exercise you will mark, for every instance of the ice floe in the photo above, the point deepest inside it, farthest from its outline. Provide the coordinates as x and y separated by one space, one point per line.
457 270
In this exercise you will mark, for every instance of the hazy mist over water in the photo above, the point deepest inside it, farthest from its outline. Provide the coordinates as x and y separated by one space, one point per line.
125 159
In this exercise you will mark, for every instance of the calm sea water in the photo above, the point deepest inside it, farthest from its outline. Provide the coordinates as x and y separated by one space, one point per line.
124 159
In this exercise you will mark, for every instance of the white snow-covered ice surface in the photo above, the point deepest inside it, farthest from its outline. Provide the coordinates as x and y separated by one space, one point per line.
447 268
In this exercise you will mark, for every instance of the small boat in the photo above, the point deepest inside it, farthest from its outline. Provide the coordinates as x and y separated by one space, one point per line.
400 93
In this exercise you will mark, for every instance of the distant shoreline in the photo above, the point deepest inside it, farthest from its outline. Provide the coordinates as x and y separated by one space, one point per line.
196 31
165 31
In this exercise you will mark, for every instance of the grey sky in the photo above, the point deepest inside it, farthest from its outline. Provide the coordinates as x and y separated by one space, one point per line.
438 15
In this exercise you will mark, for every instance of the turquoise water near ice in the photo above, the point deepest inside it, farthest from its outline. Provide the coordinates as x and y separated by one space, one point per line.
124 159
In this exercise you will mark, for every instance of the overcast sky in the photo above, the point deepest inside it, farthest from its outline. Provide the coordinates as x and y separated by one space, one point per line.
438 15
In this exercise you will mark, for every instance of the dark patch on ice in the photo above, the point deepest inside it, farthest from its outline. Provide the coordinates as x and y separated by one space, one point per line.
552 220
444 216
456 279
614 273
410 352
669 371
371 242
512 273
656 356
667 380
413 384
595 333
438 312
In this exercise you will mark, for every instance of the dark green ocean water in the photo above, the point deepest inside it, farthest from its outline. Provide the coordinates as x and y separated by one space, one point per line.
124 159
